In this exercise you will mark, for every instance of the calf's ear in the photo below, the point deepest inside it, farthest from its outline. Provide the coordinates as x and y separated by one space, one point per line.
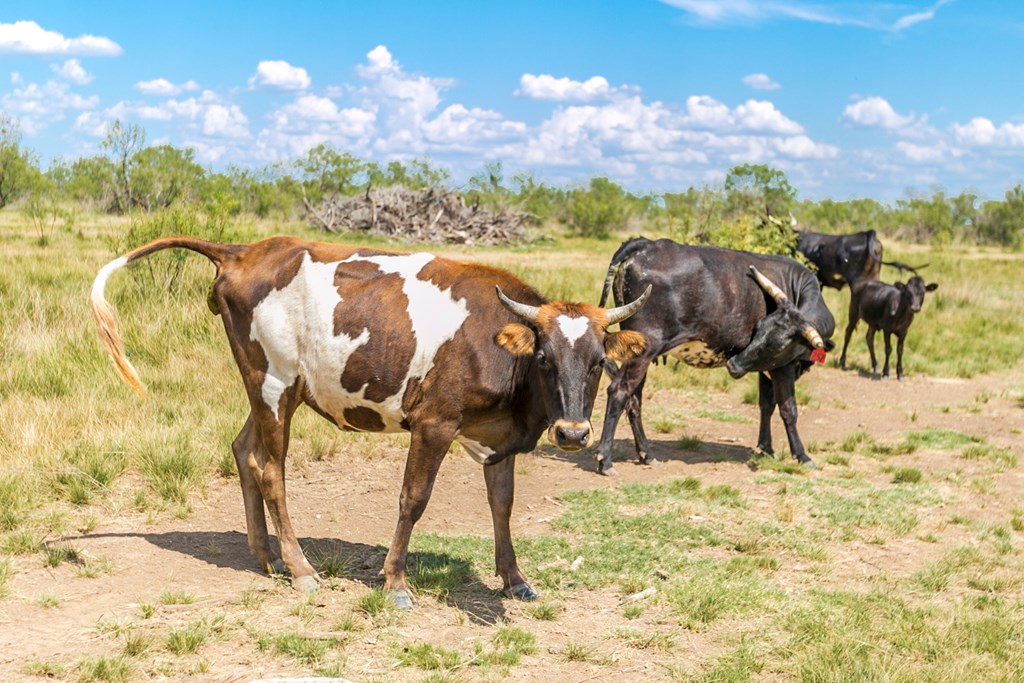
932 287
517 339
623 345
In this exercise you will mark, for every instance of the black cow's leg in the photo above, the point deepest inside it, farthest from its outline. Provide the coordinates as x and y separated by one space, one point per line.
888 351
766 401
871 349
500 479
634 410
620 391
244 448
784 384
429 445
850 326
899 356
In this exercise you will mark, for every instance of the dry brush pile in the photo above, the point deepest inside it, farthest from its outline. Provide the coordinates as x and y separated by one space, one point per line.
430 214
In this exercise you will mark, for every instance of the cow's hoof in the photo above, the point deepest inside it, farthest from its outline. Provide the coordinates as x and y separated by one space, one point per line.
521 591
649 460
306 584
401 598
608 471
809 464
276 568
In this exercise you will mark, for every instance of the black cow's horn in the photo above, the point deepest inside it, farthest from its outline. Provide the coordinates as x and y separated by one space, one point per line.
527 313
811 335
768 286
620 313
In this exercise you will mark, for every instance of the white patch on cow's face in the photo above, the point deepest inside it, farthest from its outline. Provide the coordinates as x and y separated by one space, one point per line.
476 450
573 328
295 327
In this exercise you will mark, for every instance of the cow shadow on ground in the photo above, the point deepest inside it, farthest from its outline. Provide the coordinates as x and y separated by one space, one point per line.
450 577
664 450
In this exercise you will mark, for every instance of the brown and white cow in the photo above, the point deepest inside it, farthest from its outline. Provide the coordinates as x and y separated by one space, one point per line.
377 341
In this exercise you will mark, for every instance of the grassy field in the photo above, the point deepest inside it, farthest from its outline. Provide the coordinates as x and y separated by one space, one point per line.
78 450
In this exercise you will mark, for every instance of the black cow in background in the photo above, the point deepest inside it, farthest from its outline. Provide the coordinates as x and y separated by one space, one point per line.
889 308
842 259
711 307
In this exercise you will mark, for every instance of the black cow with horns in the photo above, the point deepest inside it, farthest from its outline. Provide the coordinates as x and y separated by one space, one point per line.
711 307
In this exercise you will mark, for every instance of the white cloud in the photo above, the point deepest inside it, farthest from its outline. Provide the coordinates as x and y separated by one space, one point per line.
28 37
163 87
71 70
457 126
760 82
281 75
225 121
36 106
932 153
703 111
876 16
981 132
875 112
547 87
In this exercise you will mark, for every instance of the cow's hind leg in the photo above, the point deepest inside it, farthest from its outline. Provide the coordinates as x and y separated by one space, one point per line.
888 352
854 319
899 356
271 448
500 479
871 350
766 402
429 445
784 384
244 448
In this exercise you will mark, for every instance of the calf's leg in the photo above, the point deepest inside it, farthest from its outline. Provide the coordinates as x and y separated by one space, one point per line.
854 319
888 352
871 349
500 480
250 460
899 356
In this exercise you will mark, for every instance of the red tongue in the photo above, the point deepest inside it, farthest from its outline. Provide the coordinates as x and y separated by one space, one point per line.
818 355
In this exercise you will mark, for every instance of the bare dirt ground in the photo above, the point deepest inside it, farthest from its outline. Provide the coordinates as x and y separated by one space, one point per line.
351 503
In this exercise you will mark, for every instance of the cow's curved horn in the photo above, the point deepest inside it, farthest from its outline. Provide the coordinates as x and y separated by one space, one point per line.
811 335
620 313
768 286
527 313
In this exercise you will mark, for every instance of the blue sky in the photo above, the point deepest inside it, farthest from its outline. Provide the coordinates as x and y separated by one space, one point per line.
850 99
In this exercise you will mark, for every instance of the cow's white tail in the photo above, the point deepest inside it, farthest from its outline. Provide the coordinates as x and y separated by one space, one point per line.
106 326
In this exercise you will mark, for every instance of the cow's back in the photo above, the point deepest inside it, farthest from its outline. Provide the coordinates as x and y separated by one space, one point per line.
705 294
366 330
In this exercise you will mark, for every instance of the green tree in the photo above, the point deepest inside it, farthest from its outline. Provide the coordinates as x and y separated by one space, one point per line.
163 175
121 144
759 190
18 170
1003 222
325 172
599 209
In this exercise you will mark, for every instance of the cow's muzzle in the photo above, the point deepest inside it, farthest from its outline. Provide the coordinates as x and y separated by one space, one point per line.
734 369
570 436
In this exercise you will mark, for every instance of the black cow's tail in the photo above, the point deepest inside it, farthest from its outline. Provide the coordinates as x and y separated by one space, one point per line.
613 279
103 312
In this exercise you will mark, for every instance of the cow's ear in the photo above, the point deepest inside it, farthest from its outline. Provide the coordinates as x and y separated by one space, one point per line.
899 285
624 345
932 287
516 339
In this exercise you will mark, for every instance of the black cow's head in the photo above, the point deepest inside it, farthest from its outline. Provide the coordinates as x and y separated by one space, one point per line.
913 292
570 345
779 338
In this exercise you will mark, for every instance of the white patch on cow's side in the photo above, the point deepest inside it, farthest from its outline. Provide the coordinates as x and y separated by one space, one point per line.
698 354
573 328
435 315
476 450
295 327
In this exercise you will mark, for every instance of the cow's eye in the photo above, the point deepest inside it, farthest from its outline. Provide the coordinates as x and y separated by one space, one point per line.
596 369
542 360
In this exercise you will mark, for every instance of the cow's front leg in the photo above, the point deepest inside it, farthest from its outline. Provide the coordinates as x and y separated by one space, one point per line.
854 319
899 357
429 445
888 352
623 385
784 384
500 479
634 410
766 402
